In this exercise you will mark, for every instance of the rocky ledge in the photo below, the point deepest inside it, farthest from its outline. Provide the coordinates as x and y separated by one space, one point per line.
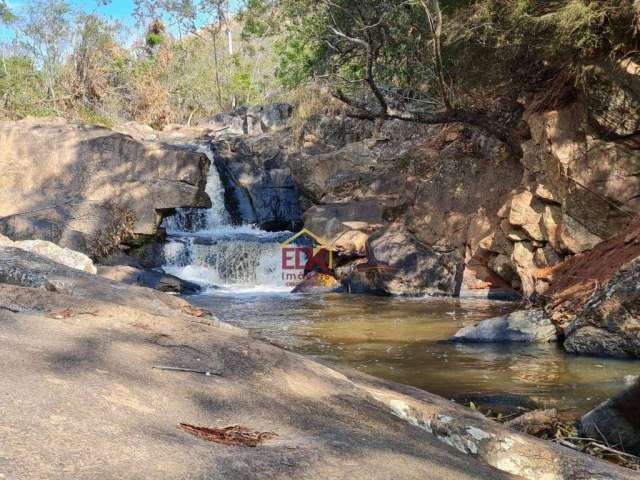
87 187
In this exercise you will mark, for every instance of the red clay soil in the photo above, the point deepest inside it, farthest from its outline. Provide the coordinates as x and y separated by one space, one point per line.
573 281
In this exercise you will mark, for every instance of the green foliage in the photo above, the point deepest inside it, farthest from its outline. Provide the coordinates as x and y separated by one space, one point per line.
22 90
6 15
154 39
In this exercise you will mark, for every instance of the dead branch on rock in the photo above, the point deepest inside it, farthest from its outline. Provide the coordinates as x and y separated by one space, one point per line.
595 448
234 435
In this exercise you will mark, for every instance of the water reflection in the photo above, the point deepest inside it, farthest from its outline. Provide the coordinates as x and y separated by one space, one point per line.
405 340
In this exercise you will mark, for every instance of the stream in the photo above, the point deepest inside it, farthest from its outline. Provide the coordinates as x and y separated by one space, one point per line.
400 339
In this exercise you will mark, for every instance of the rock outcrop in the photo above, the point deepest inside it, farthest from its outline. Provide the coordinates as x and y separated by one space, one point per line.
78 185
609 323
259 188
593 297
148 278
250 120
26 269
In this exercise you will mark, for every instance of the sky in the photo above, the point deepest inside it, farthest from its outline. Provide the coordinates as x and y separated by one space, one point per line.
121 10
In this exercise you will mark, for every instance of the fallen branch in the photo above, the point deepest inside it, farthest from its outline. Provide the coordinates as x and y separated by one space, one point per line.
590 442
236 435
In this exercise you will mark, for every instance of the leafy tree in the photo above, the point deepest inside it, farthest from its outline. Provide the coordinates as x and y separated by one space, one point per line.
22 90
431 61
45 31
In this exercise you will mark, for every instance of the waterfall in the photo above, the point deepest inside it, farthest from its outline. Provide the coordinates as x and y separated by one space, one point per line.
204 247
201 220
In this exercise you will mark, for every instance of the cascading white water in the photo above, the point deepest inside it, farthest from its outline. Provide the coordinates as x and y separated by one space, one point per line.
203 247
198 219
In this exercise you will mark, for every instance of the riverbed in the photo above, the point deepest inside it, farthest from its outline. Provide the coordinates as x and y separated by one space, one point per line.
405 340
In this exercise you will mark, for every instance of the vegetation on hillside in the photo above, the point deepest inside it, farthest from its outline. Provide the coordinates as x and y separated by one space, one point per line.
428 61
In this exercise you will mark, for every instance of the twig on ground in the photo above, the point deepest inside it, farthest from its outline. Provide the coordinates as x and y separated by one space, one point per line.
207 373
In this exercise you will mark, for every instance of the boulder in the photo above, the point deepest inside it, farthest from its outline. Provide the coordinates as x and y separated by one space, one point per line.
409 267
616 421
526 213
351 242
526 326
148 278
575 237
360 277
331 221
609 323
69 183
64 256
250 120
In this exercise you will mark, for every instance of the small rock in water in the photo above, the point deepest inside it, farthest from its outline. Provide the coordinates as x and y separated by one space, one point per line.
631 379
526 326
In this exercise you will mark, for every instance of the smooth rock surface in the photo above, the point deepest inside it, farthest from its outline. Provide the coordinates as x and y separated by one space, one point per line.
526 326
163 282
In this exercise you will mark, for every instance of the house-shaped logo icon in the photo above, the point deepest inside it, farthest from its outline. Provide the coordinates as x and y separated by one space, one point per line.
318 254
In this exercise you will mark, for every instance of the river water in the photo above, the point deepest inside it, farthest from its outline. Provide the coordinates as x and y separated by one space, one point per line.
404 340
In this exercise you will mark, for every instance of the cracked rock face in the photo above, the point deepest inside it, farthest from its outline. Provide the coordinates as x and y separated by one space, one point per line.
609 324
68 177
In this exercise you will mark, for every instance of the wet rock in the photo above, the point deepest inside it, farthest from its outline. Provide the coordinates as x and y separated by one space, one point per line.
317 282
526 326
259 187
360 277
609 323
163 282
408 267
616 421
